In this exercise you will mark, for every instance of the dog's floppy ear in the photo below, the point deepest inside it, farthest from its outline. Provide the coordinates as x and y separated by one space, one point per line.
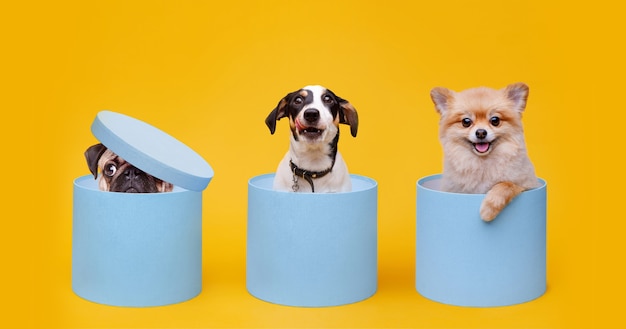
441 97
163 186
518 93
92 155
348 115
277 114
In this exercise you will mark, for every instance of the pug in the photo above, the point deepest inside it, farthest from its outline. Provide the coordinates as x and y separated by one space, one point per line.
119 175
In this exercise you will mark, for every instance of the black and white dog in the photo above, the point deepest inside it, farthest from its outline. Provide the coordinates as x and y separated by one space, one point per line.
312 163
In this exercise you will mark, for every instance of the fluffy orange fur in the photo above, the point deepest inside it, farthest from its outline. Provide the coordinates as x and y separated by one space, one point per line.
483 142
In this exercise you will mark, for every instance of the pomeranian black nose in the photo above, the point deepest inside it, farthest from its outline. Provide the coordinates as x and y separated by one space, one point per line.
481 133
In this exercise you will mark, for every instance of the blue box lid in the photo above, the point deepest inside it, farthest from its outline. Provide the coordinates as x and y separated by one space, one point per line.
152 150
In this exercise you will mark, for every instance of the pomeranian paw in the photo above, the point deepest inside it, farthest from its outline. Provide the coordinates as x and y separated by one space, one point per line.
488 210
497 198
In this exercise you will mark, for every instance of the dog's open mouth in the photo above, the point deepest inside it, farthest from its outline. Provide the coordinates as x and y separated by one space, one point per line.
310 132
482 147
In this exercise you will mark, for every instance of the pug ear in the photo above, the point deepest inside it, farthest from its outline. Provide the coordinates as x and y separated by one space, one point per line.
441 97
92 155
348 115
278 113
518 93
163 186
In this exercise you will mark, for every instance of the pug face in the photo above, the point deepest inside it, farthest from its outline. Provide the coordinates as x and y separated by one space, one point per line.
117 175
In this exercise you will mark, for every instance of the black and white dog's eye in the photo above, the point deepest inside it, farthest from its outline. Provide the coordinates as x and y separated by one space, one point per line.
495 121
110 169
298 100
466 122
327 99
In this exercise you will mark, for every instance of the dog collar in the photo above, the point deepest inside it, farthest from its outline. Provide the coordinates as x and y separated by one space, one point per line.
307 175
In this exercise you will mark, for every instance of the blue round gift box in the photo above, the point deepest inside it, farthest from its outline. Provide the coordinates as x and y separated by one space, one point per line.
464 261
140 249
312 249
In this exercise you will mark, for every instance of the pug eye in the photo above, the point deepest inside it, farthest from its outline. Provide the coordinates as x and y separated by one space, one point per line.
466 122
298 100
327 99
110 169
495 121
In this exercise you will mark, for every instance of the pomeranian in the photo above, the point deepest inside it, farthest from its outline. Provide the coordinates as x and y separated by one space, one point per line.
483 144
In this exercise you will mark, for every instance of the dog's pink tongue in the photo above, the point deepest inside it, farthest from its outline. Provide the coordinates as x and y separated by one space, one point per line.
299 125
481 147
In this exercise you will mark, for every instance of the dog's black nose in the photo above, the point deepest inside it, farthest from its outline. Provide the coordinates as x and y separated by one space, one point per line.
481 133
311 115
131 173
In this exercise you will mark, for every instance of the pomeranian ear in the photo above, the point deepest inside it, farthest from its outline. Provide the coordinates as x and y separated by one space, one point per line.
518 93
441 97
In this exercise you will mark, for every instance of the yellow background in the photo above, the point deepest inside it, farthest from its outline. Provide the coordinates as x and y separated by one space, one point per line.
209 72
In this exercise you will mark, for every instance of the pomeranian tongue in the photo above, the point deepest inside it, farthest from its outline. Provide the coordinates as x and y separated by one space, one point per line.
481 147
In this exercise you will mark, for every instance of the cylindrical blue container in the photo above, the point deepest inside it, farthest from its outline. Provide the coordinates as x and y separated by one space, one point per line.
140 249
312 249
136 249
462 260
